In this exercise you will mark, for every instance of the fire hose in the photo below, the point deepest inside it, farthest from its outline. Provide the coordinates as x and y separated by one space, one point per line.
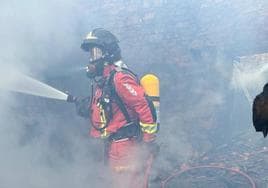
180 172
250 180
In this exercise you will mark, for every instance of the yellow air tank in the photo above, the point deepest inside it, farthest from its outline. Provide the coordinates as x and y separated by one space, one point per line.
150 83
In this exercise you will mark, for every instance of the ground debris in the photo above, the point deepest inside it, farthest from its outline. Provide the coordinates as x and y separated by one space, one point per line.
242 163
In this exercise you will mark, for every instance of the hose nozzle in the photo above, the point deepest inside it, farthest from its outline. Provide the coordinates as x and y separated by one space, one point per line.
71 99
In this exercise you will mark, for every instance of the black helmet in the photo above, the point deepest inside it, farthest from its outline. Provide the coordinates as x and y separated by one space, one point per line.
104 40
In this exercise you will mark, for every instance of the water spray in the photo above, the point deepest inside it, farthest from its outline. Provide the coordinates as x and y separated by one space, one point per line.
241 83
18 82
250 79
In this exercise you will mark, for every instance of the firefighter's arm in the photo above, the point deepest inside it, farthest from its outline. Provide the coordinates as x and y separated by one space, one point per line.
133 96
254 111
257 118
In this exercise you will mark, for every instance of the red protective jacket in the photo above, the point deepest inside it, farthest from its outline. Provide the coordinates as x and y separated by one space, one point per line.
132 95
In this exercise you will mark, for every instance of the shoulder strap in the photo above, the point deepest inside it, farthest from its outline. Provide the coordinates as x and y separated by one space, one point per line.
117 98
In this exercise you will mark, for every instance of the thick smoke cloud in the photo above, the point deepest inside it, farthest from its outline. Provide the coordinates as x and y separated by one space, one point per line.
190 45
40 145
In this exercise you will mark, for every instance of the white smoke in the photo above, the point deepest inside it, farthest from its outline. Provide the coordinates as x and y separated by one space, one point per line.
41 147
38 35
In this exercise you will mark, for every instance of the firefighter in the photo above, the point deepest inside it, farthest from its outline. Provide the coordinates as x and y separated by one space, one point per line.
119 112
260 111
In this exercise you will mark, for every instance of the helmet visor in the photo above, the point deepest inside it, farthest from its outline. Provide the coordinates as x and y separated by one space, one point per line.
95 53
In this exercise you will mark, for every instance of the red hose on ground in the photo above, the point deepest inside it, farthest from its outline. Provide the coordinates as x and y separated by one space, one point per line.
164 182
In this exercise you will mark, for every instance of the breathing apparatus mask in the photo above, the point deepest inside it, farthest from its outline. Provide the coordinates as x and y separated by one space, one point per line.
96 62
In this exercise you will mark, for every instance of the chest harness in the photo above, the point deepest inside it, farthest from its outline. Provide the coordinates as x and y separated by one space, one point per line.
109 96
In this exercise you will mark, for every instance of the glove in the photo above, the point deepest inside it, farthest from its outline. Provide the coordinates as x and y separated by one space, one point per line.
152 147
82 106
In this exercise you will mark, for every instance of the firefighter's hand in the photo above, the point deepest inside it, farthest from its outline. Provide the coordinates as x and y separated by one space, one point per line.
152 147
82 106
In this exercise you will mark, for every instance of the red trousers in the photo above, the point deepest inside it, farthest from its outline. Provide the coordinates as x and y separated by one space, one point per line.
129 163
